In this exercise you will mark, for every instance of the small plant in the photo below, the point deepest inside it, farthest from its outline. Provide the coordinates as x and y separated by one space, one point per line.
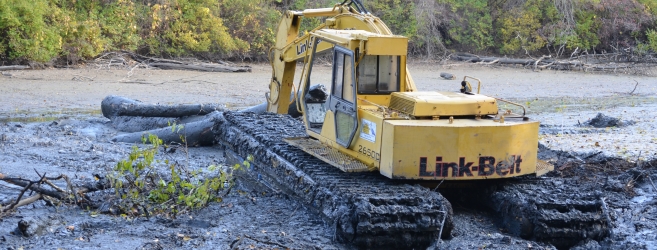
142 189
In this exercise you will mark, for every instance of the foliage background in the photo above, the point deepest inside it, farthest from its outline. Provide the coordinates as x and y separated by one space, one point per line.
67 31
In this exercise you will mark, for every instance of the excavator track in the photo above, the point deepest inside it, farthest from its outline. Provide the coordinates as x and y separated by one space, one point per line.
367 209
561 212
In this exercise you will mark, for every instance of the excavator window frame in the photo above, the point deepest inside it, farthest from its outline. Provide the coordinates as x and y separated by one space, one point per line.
344 108
341 107
377 89
338 89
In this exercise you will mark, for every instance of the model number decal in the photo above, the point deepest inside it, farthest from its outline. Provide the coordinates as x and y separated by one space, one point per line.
368 152
487 167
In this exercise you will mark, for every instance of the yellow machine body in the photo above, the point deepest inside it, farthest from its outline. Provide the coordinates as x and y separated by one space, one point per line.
464 149
375 120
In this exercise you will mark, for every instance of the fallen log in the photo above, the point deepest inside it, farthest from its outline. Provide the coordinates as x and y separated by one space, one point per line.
477 59
191 134
162 63
200 67
258 109
546 62
113 106
29 186
139 123
14 67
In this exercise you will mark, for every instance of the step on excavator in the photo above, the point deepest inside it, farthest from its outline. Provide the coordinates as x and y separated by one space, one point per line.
366 136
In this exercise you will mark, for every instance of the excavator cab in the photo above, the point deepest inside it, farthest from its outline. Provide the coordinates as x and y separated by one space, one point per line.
355 75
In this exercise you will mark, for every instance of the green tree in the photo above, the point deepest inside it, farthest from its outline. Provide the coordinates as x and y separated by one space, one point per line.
26 31
180 27
252 21
520 29
472 25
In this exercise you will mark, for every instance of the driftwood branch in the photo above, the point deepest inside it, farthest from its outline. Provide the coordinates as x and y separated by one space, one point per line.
29 185
635 85
200 67
24 202
14 67
54 192
585 62
173 64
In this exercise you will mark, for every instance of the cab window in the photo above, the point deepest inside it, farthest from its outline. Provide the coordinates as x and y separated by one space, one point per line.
378 74
343 85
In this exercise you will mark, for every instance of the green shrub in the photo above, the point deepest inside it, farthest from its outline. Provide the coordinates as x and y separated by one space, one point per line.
118 22
138 183
519 31
651 5
652 40
26 32
180 27
472 25
252 21
398 15
586 29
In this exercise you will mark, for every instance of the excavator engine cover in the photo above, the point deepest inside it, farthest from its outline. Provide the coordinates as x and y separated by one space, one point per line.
429 104
461 149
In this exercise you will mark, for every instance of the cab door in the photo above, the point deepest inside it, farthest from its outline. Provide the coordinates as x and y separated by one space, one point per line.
343 96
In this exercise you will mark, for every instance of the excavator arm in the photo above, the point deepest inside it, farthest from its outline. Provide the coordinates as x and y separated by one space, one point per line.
291 47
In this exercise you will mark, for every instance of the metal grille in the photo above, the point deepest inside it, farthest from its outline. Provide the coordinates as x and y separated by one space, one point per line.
328 154
543 167
402 105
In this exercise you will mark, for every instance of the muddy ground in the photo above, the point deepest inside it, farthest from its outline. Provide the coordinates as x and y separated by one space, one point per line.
50 122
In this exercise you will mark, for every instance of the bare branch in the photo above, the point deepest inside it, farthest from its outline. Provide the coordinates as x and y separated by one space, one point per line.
637 84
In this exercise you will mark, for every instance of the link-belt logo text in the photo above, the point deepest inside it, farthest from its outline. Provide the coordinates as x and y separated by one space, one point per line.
487 167
303 47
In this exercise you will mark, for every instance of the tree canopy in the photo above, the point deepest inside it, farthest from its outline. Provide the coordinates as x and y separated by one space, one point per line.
73 30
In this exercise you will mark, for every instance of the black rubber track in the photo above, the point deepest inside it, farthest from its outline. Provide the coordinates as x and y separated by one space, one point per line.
554 210
367 209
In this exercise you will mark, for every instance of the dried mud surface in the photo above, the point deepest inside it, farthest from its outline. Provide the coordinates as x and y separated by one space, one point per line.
50 122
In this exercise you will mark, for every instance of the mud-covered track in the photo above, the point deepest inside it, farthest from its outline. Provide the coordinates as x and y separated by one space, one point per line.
366 209
559 212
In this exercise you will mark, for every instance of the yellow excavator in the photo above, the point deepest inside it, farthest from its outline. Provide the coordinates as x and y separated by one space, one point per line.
367 116
374 119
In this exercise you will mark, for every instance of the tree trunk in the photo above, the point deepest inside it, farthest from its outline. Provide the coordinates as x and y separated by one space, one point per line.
191 134
113 106
140 123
